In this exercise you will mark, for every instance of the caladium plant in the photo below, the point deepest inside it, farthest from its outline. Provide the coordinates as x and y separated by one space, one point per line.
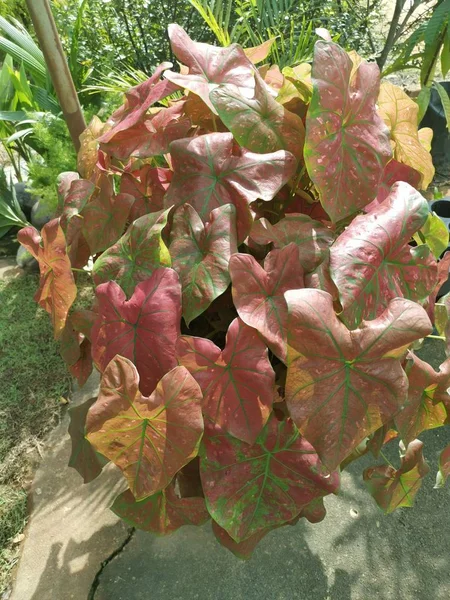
262 275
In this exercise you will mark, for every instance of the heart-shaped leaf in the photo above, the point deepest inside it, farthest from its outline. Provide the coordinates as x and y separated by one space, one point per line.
393 488
259 124
144 328
209 171
343 385
82 369
149 439
201 254
347 144
151 136
311 237
237 383
138 101
105 216
209 66
258 293
76 198
393 172
136 255
421 412
162 513
371 261
147 186
444 468
281 473
399 112
57 290
83 458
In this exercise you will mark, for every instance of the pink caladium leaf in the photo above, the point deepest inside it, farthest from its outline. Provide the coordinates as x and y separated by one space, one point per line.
78 195
57 290
81 322
152 136
258 293
210 171
105 216
138 253
209 66
259 124
343 385
238 383
393 488
83 458
148 438
147 185
444 468
424 409
281 471
200 255
162 513
393 172
82 369
311 237
138 100
144 328
371 261
347 144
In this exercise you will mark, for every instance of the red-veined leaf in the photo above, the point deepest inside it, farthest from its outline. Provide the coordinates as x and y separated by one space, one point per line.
259 124
444 468
138 101
244 549
258 293
393 488
399 112
83 458
423 411
343 385
57 290
162 513
209 171
201 254
151 136
147 186
136 255
249 488
311 237
347 144
144 328
209 66
105 216
148 438
238 383
371 261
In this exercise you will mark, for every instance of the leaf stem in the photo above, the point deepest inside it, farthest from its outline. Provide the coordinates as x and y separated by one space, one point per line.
386 460
436 337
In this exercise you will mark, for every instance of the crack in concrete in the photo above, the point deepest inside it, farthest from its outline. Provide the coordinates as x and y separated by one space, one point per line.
117 551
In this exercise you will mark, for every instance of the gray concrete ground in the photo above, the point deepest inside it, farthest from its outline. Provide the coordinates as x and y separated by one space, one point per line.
71 530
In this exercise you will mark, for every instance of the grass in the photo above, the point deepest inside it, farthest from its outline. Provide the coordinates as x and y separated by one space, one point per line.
33 378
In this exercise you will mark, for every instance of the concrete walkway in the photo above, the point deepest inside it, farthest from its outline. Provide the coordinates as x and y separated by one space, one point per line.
71 530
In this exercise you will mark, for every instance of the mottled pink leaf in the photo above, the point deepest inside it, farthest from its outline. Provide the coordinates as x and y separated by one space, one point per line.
444 467
200 255
371 261
149 439
238 383
260 123
210 171
250 488
258 293
393 172
209 66
347 144
144 328
343 385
